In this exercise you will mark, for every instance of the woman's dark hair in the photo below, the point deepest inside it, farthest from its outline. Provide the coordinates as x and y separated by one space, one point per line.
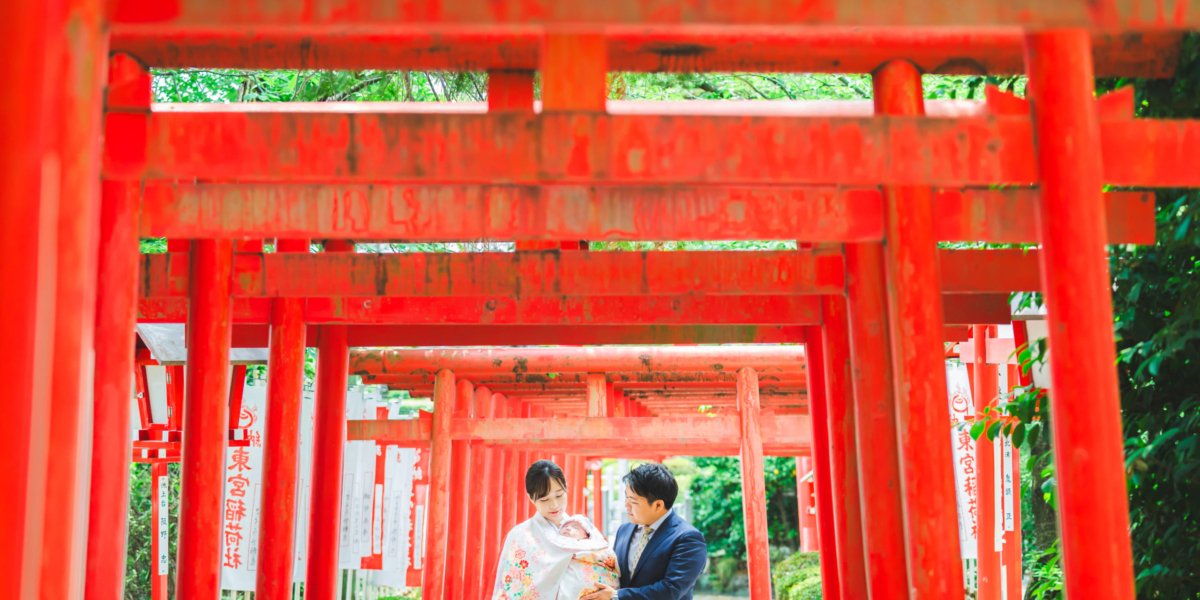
539 476
653 481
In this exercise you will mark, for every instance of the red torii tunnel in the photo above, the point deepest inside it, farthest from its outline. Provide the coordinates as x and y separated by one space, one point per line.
88 164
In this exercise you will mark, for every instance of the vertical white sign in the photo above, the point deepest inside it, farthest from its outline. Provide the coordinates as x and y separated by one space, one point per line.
161 527
1009 485
958 388
998 492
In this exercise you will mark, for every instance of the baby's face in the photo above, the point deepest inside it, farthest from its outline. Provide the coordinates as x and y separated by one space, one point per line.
574 531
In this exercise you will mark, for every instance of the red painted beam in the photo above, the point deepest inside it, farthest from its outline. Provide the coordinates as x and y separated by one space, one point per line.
508 311
776 429
519 148
437 212
994 50
255 336
493 276
571 360
523 274
691 318
621 380
636 149
341 15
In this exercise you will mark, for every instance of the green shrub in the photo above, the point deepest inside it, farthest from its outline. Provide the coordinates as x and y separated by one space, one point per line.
798 577
724 569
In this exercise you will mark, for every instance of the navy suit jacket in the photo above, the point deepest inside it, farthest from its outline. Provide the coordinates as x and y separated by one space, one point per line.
672 561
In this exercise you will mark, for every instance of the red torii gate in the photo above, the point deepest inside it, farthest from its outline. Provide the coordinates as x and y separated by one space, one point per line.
609 424
891 315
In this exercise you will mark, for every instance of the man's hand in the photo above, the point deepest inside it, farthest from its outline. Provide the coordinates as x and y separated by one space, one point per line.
605 593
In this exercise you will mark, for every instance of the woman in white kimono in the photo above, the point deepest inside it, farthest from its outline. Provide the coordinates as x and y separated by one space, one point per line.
538 562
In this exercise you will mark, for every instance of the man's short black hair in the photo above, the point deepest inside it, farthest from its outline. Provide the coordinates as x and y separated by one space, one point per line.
653 481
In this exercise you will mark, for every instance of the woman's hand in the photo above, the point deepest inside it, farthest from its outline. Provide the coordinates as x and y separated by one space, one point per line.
605 593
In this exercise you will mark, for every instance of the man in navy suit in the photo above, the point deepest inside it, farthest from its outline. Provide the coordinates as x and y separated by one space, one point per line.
660 554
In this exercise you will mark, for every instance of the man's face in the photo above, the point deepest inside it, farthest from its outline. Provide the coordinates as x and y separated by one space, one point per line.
640 510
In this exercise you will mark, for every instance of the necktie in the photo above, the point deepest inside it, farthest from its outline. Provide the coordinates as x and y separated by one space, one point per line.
637 553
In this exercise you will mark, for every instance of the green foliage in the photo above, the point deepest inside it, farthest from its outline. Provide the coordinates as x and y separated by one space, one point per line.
717 500
1047 576
230 85
798 577
1156 301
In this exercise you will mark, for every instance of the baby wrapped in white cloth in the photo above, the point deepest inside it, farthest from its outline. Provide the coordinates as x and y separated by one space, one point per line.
593 563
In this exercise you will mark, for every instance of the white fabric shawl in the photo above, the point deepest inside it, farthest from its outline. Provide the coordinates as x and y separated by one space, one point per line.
535 557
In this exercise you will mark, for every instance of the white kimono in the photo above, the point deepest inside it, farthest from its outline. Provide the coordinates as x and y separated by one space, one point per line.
537 563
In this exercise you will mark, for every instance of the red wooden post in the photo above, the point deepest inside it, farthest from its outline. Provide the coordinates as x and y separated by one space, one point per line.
1088 446
843 460
984 383
574 71
159 486
460 475
525 509
754 486
205 419
598 498
83 50
285 389
814 357
804 494
915 323
433 582
478 500
514 482
329 436
493 462
116 316
875 422
1012 539
598 395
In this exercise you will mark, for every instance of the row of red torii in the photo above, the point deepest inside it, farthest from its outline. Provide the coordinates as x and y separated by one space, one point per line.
867 189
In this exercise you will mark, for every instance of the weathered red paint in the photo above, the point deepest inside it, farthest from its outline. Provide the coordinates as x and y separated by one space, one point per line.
807 522
994 51
460 475
598 499
510 274
434 572
285 388
330 16
493 537
205 419
616 213
843 450
480 284
329 416
636 149
28 234
754 491
822 478
80 41
116 303
875 422
915 320
1089 468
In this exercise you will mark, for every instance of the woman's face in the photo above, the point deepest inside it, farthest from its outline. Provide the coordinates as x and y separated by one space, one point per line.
552 506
